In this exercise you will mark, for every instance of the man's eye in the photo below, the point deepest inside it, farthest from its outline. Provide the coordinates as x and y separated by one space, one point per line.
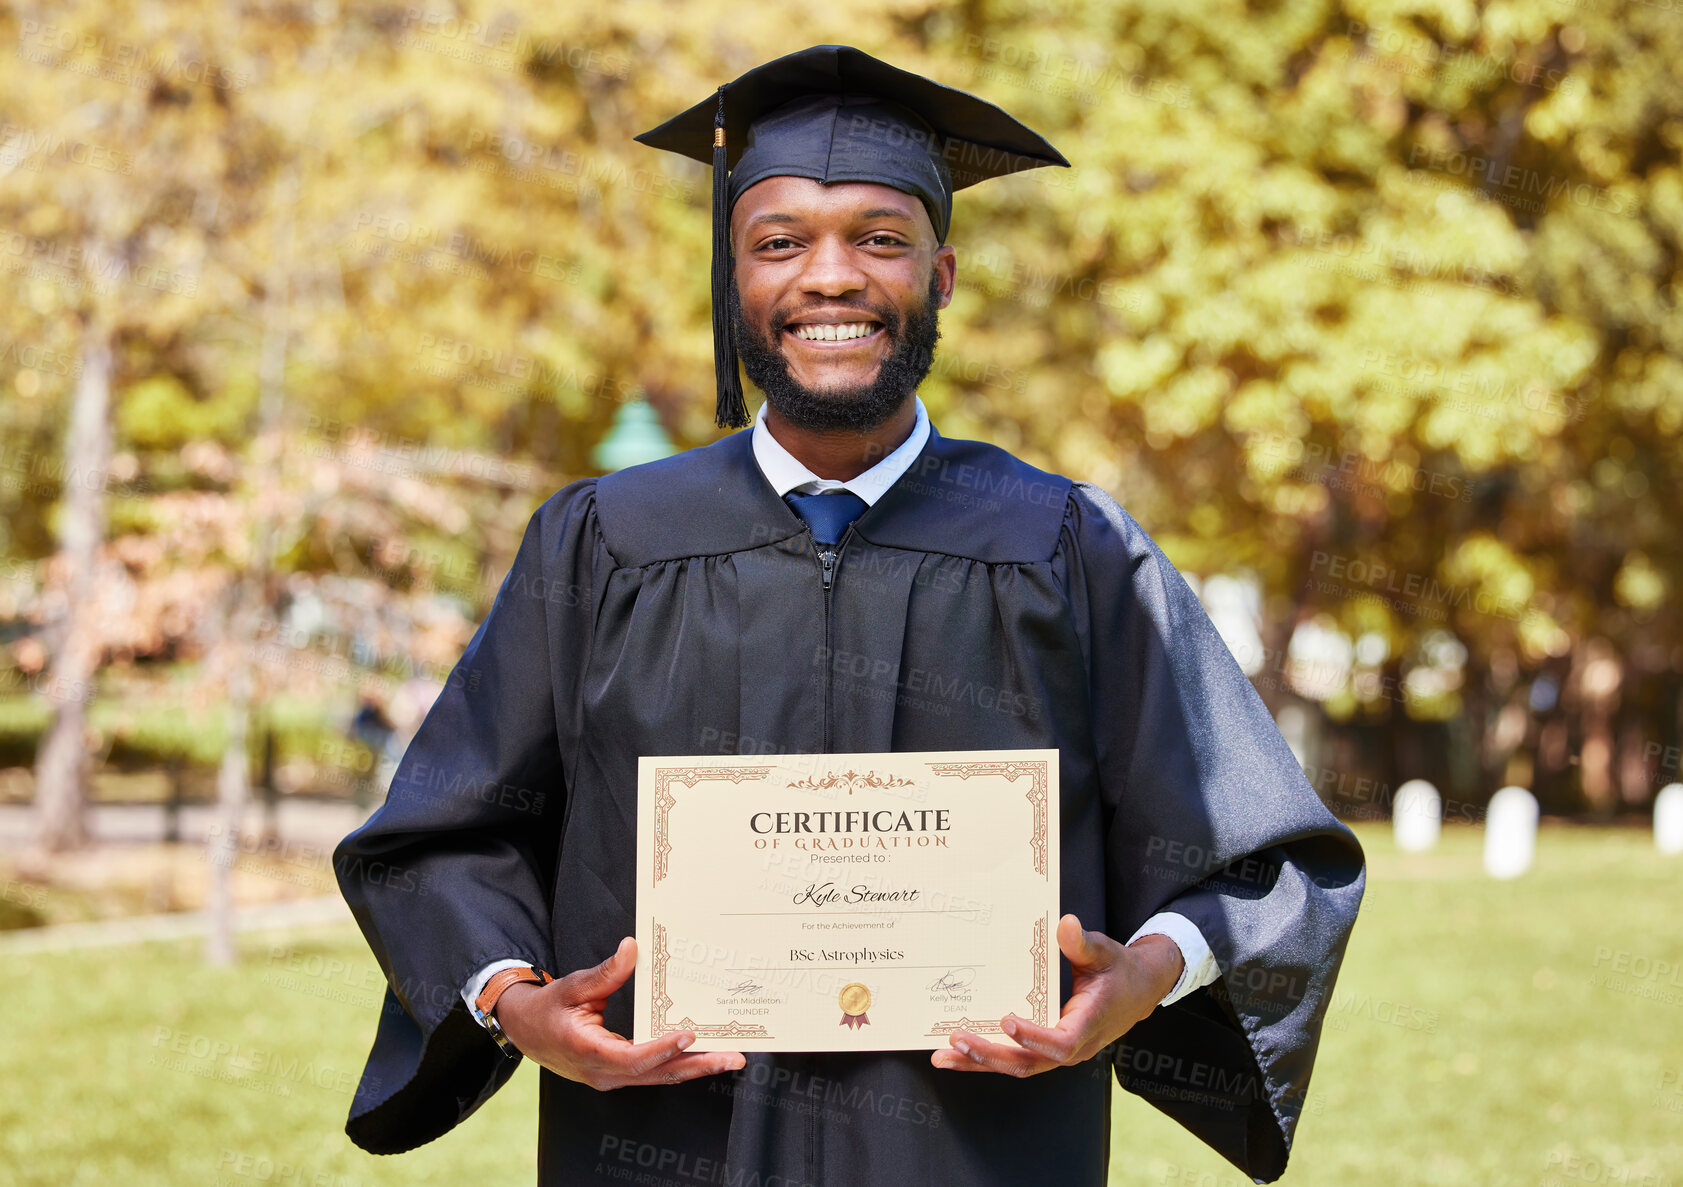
778 244
887 240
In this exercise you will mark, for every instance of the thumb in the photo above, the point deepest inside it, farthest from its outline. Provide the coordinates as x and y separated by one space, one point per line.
600 980
1083 949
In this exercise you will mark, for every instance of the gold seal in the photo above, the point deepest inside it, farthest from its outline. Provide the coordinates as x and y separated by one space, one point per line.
854 1000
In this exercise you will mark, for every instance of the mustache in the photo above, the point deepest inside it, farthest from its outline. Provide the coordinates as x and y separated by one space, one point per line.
890 321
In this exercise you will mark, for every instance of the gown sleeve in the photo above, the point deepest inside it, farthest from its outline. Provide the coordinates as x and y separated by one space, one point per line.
455 868
1208 814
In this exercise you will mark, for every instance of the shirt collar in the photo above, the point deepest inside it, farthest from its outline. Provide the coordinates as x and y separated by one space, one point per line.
786 473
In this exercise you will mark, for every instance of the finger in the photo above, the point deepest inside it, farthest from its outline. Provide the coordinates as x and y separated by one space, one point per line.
1085 949
634 1059
684 1067
598 982
971 1053
1054 1042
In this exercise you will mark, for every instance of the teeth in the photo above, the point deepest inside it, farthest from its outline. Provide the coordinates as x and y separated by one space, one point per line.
834 332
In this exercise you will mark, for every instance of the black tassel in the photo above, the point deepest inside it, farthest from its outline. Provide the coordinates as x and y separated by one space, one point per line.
732 410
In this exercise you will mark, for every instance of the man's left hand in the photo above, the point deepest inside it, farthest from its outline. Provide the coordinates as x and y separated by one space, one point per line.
1114 988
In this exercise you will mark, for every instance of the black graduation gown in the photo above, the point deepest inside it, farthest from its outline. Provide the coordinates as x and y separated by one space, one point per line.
678 608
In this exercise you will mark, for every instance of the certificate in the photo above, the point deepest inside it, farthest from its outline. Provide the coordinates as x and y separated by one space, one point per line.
845 902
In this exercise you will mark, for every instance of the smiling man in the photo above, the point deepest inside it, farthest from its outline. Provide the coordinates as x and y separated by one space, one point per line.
842 578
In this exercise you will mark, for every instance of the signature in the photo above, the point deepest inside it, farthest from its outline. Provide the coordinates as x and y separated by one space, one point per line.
952 980
744 987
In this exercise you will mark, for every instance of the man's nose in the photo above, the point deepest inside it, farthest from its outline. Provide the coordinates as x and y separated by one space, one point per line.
831 270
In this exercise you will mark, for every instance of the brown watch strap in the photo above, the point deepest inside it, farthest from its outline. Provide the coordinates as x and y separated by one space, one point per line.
500 982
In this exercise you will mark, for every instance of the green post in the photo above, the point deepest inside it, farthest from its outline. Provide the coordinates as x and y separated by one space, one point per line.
636 437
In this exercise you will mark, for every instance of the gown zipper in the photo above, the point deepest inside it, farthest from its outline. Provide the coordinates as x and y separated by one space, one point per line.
828 561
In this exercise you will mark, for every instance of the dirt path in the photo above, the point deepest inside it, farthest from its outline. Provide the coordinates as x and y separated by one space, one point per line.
67 937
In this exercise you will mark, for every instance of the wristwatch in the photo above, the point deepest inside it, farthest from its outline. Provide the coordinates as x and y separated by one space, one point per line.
485 1005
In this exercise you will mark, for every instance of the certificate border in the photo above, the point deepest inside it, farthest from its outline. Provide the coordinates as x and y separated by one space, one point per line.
662 1001
1036 997
1011 769
664 802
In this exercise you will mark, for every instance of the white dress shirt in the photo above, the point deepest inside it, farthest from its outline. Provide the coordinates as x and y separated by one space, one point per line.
786 473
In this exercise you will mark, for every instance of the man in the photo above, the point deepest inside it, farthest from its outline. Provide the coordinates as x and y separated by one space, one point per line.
843 578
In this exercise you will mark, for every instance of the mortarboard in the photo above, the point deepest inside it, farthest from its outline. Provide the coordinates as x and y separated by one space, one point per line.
834 113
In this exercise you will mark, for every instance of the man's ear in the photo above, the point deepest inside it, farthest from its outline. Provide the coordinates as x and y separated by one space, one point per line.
946 273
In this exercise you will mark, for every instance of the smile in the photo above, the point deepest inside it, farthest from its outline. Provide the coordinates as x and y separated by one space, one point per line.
835 335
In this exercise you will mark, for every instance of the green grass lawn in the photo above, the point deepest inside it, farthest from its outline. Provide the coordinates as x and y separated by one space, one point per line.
1527 1032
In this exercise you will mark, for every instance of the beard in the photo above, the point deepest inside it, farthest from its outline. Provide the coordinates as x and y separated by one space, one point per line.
856 408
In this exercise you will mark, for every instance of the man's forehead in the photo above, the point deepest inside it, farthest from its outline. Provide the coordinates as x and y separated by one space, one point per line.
788 199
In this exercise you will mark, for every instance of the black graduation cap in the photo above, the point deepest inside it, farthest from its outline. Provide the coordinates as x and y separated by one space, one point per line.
834 113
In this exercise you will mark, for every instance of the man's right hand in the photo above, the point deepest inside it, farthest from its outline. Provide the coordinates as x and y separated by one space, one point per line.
560 1026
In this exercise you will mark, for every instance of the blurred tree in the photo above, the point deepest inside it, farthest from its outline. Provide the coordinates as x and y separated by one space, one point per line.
1376 302
109 168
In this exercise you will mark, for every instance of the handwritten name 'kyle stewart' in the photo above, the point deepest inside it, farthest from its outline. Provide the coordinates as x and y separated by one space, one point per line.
822 894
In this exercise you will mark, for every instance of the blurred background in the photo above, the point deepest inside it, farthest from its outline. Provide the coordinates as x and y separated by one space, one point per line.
1368 312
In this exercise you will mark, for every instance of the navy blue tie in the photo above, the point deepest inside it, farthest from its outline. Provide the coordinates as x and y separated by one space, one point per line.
827 514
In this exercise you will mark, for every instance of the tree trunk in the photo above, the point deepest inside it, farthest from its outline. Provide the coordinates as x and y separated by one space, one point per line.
250 592
62 768
233 775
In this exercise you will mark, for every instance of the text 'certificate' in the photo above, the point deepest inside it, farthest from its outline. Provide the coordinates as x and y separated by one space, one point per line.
845 902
